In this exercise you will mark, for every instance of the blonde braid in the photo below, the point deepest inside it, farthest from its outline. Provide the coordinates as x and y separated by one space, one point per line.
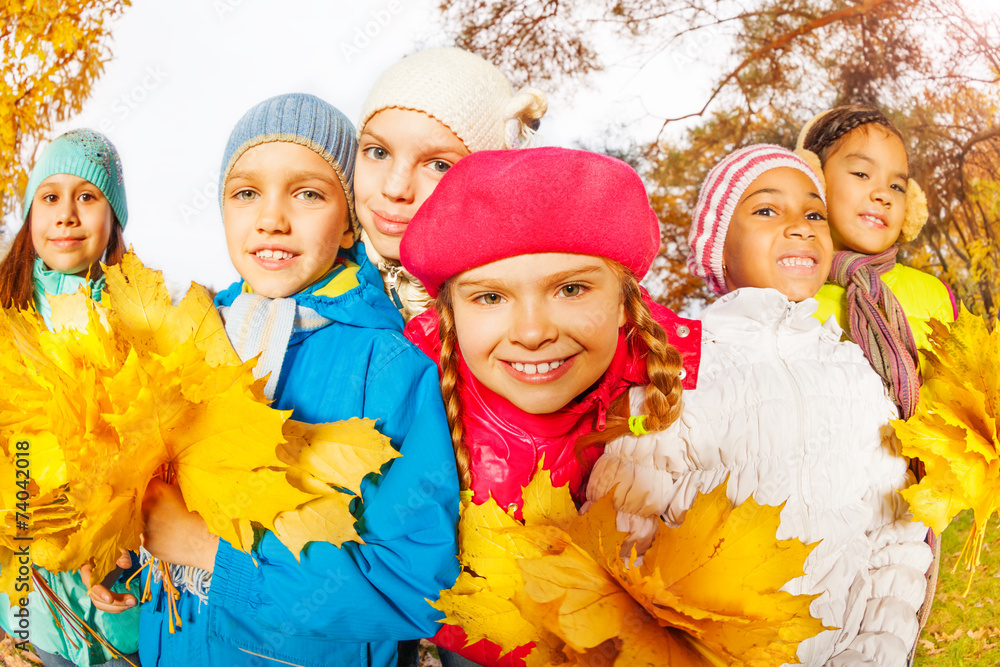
449 385
663 364
663 367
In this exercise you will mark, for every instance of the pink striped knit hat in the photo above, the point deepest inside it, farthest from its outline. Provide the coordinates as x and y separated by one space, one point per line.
720 193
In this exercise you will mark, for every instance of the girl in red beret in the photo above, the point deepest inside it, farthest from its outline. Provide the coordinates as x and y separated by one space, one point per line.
540 326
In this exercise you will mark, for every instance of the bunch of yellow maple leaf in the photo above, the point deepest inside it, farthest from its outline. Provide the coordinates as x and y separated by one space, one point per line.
705 593
132 387
954 430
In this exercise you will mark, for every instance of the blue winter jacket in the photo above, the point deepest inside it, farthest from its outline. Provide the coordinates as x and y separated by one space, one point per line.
349 605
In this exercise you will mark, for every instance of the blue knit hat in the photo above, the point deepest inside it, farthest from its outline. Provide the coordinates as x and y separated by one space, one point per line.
300 119
88 155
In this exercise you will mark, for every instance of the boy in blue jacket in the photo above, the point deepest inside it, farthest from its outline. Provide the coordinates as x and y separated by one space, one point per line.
313 306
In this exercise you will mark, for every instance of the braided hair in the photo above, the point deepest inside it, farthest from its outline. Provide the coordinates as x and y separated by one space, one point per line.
450 383
830 130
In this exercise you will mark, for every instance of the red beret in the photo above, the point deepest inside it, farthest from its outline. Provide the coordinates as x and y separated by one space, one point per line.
497 204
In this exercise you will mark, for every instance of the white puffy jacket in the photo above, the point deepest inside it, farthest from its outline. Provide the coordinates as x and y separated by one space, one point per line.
790 414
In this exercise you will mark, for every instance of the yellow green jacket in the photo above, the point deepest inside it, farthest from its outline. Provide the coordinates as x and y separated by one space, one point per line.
922 296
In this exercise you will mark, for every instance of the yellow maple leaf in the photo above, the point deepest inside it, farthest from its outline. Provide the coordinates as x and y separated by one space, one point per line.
335 452
139 304
954 430
325 459
706 593
117 393
717 576
485 613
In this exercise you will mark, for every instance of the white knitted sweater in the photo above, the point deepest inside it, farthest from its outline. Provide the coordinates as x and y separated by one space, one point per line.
790 414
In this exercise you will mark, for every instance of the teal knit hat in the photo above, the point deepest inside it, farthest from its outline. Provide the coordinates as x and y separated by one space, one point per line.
299 119
88 155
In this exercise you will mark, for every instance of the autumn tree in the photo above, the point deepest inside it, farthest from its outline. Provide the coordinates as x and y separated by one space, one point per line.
53 51
932 68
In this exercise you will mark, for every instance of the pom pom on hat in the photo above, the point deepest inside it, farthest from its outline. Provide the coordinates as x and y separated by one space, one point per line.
721 192
300 119
468 95
497 204
88 155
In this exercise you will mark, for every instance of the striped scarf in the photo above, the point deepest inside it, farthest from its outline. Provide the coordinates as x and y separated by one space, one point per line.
258 325
877 323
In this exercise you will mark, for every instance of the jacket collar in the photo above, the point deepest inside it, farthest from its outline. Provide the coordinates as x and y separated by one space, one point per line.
752 309
54 282
364 305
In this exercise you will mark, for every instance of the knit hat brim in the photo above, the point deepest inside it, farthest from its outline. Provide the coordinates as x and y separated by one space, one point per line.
299 119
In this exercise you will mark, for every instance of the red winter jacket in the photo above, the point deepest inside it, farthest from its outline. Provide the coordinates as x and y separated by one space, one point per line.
505 443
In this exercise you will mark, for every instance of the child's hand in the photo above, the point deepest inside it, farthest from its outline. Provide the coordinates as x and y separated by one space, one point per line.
101 594
173 534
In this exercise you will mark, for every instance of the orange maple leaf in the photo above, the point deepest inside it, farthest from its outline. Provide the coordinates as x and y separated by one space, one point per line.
706 593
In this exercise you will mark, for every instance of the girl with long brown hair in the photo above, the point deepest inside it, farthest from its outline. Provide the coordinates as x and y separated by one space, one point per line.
72 220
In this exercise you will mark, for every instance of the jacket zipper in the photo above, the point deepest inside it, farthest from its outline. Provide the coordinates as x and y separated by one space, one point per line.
602 415
392 273
799 414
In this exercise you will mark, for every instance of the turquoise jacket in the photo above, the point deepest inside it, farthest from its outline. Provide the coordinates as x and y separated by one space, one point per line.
346 606
122 630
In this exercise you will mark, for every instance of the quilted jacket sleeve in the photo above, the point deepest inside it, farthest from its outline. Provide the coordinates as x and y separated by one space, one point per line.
897 582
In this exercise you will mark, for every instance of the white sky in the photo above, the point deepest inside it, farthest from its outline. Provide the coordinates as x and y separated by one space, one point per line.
184 72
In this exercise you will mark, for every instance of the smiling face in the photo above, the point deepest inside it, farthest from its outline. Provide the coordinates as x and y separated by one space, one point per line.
779 237
866 180
538 329
402 154
286 217
70 223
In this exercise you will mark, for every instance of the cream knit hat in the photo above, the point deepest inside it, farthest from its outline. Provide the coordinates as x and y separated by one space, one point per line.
471 97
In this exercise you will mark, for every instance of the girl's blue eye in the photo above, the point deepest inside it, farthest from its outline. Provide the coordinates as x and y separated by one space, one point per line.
490 299
440 166
376 153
